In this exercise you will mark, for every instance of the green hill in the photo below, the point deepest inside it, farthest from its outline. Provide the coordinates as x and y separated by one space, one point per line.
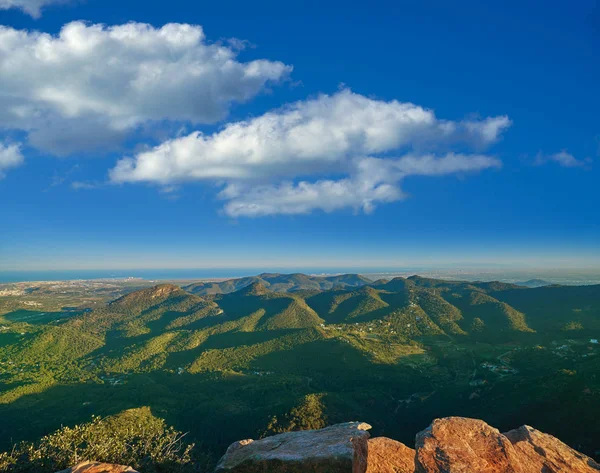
222 365
280 283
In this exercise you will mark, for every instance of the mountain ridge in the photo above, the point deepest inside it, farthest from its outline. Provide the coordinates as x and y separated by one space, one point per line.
400 353
278 282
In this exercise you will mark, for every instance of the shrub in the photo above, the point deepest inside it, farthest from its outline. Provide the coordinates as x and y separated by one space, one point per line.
134 437
308 415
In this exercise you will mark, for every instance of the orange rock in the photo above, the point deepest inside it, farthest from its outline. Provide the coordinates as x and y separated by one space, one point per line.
389 456
539 452
461 445
449 445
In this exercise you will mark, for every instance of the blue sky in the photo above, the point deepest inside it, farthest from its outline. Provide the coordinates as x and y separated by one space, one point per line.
290 134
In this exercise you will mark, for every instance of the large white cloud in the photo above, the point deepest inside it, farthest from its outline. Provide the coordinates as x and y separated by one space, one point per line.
31 7
10 157
265 163
93 83
318 135
374 181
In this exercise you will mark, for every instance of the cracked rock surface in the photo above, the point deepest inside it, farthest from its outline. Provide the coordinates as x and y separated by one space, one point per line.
339 448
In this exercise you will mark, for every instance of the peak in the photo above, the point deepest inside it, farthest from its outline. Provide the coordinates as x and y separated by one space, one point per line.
398 284
352 277
367 290
257 288
381 282
155 292
162 290
165 288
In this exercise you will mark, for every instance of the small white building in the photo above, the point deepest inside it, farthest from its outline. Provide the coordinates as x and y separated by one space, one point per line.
594 341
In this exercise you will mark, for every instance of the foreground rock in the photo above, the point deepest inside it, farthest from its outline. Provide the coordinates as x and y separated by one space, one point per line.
94 467
449 445
460 445
388 456
539 452
336 449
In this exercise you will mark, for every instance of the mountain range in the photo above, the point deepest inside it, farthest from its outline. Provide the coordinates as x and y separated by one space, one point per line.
280 283
241 358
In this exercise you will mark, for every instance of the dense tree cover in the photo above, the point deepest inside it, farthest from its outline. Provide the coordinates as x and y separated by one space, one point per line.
280 283
228 366
308 415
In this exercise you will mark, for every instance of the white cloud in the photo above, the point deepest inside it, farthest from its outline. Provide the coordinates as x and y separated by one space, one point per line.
92 84
563 158
374 181
320 135
31 7
10 157
263 163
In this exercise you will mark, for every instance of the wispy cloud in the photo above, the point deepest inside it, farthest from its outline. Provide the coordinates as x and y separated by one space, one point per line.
31 7
83 185
59 179
563 158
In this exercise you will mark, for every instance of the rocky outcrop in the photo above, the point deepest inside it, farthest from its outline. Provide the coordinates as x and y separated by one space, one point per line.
389 456
459 445
94 467
336 449
449 445
539 452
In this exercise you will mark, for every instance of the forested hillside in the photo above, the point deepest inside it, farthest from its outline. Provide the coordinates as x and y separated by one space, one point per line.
223 364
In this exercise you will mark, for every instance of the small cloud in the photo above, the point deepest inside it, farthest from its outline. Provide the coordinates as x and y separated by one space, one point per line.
10 157
563 158
59 179
169 189
239 44
170 192
81 185
32 7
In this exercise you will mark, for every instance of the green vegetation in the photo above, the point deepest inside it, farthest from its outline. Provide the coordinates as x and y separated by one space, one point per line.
230 365
134 437
309 415
280 283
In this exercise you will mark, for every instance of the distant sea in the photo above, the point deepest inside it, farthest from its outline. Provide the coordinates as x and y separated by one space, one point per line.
159 274
556 276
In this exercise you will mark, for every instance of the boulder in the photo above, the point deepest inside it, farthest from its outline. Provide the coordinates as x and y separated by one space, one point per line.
461 445
449 445
389 456
336 449
539 452
95 467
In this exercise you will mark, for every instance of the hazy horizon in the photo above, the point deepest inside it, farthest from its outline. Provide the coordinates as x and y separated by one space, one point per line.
504 273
